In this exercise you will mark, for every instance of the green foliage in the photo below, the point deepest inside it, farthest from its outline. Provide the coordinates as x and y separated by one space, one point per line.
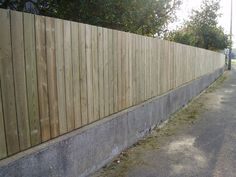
202 29
146 17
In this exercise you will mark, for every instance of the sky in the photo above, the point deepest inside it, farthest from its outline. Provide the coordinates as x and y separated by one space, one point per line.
224 20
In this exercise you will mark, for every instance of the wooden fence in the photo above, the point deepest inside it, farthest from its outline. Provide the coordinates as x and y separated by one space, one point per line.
58 75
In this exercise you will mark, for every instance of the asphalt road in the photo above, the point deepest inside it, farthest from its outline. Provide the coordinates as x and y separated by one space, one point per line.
199 141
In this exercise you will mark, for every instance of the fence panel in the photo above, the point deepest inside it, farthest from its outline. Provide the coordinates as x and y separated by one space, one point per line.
57 75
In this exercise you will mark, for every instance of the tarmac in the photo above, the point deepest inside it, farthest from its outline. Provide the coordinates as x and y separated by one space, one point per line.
197 141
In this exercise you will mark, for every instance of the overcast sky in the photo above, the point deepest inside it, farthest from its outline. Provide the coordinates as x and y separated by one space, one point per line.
224 20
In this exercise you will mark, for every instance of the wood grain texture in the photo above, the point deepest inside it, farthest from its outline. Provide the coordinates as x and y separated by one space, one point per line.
76 73
3 145
95 73
52 77
83 75
115 70
19 78
106 71
101 73
7 84
60 69
89 64
68 76
110 72
40 34
119 71
31 78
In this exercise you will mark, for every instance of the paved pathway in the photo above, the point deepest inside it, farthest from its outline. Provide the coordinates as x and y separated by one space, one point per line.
199 141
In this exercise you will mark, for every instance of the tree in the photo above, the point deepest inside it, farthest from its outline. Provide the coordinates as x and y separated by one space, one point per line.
146 17
202 30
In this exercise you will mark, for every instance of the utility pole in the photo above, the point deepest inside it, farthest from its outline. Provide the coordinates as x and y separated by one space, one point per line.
230 48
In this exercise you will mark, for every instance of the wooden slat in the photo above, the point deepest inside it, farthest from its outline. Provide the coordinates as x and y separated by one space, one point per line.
129 70
110 72
115 70
52 76
3 145
139 71
142 68
68 76
31 79
127 87
42 77
119 71
95 72
19 78
60 69
134 73
7 84
123 70
101 73
106 81
76 74
83 75
88 53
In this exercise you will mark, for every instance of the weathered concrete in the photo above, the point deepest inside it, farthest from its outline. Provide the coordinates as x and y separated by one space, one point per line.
85 150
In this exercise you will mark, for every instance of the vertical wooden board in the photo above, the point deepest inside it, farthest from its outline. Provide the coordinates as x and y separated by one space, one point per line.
60 69
127 70
119 72
142 69
95 72
115 70
123 70
106 83
162 69
165 65
42 77
110 72
83 75
148 69
3 145
76 74
19 78
7 84
88 50
130 59
138 69
177 65
173 64
158 66
134 69
31 79
101 73
127 84
68 76
52 76
168 65
153 68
